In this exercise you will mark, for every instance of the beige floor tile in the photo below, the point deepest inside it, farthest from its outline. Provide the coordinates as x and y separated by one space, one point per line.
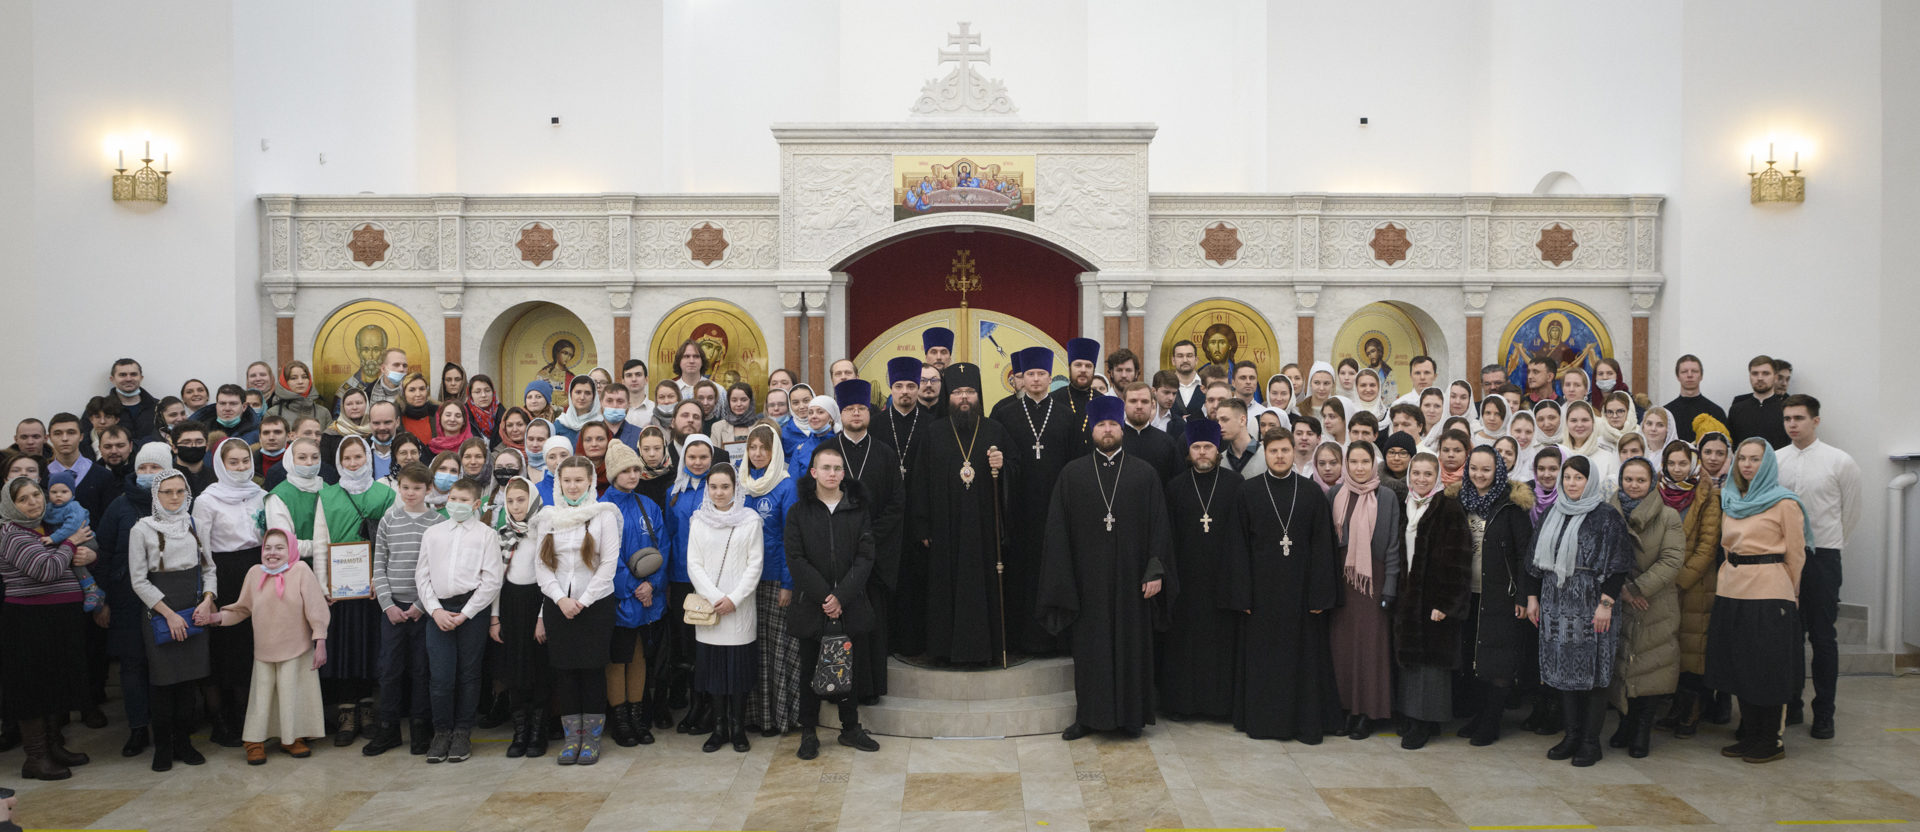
343 770
63 808
1050 791
1007 821
962 793
1613 769
506 811
1241 770
1630 805
168 812
711 773
1747 801
1860 800
615 815
874 792
1059 820
1390 808
1292 808
963 756
417 809
293 812
1356 770
869 821
1192 806
1507 803
481 773
601 777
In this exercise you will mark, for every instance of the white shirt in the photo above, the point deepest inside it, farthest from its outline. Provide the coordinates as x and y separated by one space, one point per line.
570 577
225 527
457 558
1828 483
1186 389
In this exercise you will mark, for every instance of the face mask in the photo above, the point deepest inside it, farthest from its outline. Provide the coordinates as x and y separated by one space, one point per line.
394 378
501 475
614 414
284 566
260 412
306 471
459 512
145 480
227 423
1606 384
537 463
573 501
443 481
190 456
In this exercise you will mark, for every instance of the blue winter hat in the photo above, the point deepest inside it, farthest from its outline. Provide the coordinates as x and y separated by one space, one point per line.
1083 349
853 391
1033 358
65 478
1105 409
904 368
1203 430
544 387
936 336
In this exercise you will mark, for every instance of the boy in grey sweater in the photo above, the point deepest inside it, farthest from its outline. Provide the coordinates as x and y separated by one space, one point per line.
403 630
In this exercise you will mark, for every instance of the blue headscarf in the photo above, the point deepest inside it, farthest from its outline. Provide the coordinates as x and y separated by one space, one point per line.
1482 503
1762 491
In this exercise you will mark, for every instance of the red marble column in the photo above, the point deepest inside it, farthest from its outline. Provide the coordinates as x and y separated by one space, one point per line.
1640 354
622 342
1304 324
1474 334
283 348
451 339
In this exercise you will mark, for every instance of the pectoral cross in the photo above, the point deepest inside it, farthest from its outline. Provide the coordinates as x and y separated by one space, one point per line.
1206 523
1036 448
1109 519
1286 545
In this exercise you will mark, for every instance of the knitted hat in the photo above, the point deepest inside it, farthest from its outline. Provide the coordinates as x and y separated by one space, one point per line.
65 478
157 453
620 458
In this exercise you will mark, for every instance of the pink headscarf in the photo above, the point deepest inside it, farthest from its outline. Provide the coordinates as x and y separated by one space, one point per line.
1359 534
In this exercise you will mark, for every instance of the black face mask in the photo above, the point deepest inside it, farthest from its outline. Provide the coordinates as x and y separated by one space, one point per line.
190 456
501 475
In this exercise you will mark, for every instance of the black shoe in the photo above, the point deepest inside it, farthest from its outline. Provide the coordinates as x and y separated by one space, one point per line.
1416 734
855 737
368 715
1624 732
1569 705
162 750
1492 710
1796 713
716 740
497 715
620 725
137 741
1722 712
1074 732
1686 715
419 736
696 717
1543 703
1359 728
869 701
1640 742
643 721
522 732
1588 753
1130 732
740 742
387 740
537 733
184 751
1822 727
92 717
809 744
1554 721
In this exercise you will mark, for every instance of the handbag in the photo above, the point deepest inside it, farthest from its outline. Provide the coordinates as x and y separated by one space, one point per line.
833 675
696 609
163 635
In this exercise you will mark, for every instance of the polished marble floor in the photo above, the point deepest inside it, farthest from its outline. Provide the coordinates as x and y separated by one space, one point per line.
1192 775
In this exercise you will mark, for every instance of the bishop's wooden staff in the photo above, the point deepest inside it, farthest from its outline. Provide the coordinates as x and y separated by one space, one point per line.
999 562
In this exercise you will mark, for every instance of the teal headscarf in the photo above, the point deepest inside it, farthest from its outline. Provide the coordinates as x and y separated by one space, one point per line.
1763 491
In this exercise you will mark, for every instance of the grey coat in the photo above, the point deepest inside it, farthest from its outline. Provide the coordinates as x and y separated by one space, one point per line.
1649 659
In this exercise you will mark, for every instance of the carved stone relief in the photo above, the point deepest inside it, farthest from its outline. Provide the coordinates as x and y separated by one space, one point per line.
1556 244
1597 244
326 245
577 244
1418 244
1181 243
1095 199
536 244
369 245
706 243
666 243
836 199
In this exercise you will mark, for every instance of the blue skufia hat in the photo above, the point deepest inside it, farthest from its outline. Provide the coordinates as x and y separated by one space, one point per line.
904 368
1203 430
936 336
1033 358
1106 409
853 391
1083 349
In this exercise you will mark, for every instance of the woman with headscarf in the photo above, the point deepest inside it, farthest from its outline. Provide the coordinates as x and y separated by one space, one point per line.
683 499
1576 387
666 397
294 398
1582 555
1649 666
593 443
1607 380
1319 390
1755 644
819 423
736 415
1367 528
777 407
521 660
511 429
228 518
406 450
769 489
1686 490
724 561
175 578
656 465
579 552
1434 603
453 383
1493 420
1716 458
449 429
538 432
1348 372
43 657
1333 420
353 419
537 400
418 413
1525 433
1502 640
1656 428
477 465
555 450
712 404
1616 420
1280 395
1552 430
503 465
583 408
641 600
321 515
1452 449
1329 467
484 410
1584 438
1370 395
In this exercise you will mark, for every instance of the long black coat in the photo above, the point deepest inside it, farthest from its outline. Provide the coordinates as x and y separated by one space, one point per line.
829 553
1437 579
1502 642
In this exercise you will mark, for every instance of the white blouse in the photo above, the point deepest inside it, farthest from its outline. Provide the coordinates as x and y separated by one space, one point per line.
570 577
145 556
226 527
521 569
735 579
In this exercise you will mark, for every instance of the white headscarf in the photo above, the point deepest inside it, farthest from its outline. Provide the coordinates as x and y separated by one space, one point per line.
683 479
1379 406
833 409
354 482
178 521
1559 435
1480 430
575 421
311 485
1523 464
561 516
776 470
233 487
712 517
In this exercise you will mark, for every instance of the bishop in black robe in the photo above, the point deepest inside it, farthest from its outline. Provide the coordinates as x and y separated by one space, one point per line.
1201 648
951 509
1042 434
1107 573
877 468
1285 687
905 433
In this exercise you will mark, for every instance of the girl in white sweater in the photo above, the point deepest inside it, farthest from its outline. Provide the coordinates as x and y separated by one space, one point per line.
724 552
579 550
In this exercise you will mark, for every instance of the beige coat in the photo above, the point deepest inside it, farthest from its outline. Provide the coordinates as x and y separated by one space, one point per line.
1649 661
1701 533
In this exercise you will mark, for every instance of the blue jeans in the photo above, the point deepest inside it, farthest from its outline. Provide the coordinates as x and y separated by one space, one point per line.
453 659
403 670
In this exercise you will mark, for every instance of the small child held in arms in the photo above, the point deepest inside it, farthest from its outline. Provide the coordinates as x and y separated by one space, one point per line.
65 517
290 620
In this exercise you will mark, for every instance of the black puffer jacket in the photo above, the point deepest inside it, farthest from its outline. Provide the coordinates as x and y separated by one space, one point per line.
829 553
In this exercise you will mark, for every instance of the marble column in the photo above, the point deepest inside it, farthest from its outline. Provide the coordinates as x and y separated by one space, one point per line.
1305 298
282 326
1640 301
1137 324
1112 308
622 303
790 312
1474 301
450 327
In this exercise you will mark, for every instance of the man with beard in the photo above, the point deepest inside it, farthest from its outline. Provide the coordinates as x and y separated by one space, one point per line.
877 467
116 455
931 393
1040 432
1759 413
1198 653
937 342
902 427
1145 442
953 514
1081 355
1107 573
1123 368
1285 686
688 416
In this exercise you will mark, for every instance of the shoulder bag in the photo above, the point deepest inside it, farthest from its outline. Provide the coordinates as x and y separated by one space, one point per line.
696 609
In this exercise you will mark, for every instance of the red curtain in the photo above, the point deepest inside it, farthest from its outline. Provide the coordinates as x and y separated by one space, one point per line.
1018 277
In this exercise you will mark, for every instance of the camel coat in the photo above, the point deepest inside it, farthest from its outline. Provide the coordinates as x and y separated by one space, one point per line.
1649 662
1698 575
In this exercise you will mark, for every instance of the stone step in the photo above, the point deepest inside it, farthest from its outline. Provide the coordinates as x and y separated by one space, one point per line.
1850 630
1861 660
899 716
1037 677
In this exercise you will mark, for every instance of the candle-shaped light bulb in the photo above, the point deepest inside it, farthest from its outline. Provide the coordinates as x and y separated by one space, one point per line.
1752 166
1769 153
123 160
149 150
1796 160
163 162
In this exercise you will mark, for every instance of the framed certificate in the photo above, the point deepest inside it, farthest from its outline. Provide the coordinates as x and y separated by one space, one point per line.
736 451
349 571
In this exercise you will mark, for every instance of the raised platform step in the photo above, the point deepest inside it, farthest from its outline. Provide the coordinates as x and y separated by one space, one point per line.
1861 660
899 716
1033 678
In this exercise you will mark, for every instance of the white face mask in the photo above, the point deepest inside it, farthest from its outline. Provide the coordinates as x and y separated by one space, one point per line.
1606 384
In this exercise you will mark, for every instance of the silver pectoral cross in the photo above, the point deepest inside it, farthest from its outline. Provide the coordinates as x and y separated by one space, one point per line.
1286 545
1206 523
1036 448
1109 519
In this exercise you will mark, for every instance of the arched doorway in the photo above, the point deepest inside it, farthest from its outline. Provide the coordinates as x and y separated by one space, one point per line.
1028 294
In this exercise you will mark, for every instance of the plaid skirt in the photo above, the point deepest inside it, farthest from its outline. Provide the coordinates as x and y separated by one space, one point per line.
775 701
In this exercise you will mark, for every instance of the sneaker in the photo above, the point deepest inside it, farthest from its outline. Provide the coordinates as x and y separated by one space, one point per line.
437 748
809 745
460 746
856 738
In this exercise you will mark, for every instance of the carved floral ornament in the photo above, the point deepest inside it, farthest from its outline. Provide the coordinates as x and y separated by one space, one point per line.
1556 244
1390 243
707 243
1221 244
369 245
536 244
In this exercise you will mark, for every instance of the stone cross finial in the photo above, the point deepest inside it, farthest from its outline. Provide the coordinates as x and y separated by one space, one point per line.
964 92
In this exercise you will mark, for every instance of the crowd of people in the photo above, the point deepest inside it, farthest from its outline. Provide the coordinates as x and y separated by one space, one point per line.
1319 555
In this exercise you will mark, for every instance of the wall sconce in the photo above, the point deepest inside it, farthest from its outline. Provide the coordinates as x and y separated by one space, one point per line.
1771 185
143 185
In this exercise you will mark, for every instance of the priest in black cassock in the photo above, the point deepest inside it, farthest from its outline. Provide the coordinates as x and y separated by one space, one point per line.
877 468
1042 433
1144 441
951 506
1083 357
1200 650
1285 687
899 426
1108 573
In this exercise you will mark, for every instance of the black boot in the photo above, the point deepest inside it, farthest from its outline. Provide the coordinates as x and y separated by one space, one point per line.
537 733
10 735
183 749
1595 717
643 719
1417 732
719 736
347 718
1722 712
1569 704
387 740
1544 701
522 733
137 741
621 725
1641 744
737 723
1742 736
698 714
1763 743
1686 714
496 714
39 766
162 745
1624 732
1359 727
1492 709
419 736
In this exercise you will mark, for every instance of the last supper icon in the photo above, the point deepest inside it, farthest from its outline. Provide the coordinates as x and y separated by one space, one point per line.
938 184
